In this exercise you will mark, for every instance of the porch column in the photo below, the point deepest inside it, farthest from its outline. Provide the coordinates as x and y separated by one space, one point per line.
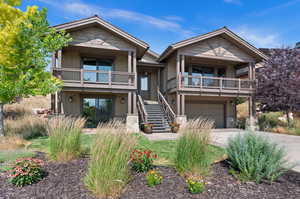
56 111
53 61
59 58
182 63
129 100
177 69
129 61
178 104
134 103
182 104
134 70
252 102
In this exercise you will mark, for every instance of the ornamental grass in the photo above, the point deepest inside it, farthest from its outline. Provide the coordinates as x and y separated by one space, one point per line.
65 137
192 150
109 168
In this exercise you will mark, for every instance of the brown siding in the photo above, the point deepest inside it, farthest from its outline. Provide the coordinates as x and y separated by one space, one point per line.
98 38
216 47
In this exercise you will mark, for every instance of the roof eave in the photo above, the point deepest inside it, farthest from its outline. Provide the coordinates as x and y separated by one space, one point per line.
96 19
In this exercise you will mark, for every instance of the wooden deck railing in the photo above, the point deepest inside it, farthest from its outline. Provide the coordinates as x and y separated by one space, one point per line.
166 107
83 77
220 83
141 109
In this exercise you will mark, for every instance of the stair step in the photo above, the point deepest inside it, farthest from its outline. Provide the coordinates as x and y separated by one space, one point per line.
162 131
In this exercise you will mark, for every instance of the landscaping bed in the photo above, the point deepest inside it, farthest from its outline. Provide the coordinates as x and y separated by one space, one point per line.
65 180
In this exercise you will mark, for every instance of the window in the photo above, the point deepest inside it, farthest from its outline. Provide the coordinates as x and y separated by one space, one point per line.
97 64
97 110
202 71
145 83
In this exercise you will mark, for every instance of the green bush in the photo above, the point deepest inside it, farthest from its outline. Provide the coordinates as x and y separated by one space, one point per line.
64 137
108 168
26 171
254 158
192 150
270 120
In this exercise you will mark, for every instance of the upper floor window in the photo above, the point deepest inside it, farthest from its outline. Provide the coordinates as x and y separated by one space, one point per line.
98 69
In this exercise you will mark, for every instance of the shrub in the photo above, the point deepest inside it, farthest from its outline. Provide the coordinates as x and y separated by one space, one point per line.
142 161
153 178
26 171
108 169
195 186
64 137
270 120
26 127
255 158
192 150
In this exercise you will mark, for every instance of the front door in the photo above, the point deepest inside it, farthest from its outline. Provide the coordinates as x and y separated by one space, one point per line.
97 110
144 85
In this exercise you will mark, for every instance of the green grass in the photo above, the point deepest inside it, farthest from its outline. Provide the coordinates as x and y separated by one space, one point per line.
164 149
7 157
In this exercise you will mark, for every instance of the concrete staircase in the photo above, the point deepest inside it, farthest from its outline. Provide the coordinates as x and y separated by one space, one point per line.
157 117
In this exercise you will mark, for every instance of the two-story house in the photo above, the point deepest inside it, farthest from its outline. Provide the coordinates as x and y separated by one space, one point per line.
110 74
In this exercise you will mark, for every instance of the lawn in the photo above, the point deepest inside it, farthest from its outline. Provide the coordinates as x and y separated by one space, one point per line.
164 149
7 157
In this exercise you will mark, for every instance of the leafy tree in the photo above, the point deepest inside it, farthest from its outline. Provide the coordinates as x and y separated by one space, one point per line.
26 43
279 82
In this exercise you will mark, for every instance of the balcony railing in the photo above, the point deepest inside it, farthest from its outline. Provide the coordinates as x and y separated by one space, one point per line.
96 78
212 84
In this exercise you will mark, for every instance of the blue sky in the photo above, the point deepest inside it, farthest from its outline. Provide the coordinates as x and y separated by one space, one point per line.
264 23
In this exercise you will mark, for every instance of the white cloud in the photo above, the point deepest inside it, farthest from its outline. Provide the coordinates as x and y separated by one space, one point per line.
173 18
259 38
233 1
80 9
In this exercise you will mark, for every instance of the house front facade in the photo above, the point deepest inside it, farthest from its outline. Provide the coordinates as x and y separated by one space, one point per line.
110 74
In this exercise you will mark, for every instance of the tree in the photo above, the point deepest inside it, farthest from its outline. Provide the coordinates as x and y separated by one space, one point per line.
26 43
279 82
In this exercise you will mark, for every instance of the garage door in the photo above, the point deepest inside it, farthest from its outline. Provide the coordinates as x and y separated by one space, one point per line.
214 112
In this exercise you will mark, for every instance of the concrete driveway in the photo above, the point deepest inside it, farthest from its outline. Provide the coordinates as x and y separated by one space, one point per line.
220 137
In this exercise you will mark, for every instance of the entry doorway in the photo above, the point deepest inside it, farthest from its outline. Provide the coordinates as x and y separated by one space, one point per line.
144 86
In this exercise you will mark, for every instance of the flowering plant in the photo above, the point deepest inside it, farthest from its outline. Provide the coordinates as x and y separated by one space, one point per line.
195 186
142 160
26 171
153 178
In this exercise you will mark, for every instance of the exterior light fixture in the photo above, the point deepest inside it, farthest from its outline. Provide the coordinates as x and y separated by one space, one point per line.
122 100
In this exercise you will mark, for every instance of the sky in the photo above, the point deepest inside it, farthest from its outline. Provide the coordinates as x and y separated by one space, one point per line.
263 23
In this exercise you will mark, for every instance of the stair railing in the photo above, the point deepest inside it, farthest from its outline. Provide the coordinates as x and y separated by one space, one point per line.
165 106
142 110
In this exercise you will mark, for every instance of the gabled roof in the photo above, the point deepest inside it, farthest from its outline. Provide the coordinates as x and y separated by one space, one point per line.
221 31
97 20
154 54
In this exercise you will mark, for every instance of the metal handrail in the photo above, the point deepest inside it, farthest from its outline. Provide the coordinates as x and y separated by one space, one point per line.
141 109
165 106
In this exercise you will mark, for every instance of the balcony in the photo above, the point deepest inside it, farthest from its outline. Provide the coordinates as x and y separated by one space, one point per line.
74 77
212 85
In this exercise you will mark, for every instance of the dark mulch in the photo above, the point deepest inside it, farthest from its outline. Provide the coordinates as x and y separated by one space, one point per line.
64 180
220 185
